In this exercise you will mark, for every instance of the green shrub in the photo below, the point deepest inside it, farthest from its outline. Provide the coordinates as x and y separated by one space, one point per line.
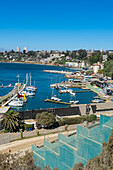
76 120
28 126
6 131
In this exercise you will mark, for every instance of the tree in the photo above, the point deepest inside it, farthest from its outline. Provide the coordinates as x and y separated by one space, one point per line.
46 168
46 119
105 160
82 53
16 161
11 121
112 76
78 166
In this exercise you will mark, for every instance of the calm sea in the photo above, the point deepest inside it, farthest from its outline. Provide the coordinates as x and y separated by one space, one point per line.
9 71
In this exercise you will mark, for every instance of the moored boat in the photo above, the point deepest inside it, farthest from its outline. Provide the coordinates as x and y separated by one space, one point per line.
55 98
97 101
16 103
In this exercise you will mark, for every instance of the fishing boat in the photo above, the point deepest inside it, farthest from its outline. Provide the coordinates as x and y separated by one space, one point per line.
16 103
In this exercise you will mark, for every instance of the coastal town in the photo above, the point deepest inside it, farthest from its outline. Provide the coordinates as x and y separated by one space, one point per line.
56 85
87 73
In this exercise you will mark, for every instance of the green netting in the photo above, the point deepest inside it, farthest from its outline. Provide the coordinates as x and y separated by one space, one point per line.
77 148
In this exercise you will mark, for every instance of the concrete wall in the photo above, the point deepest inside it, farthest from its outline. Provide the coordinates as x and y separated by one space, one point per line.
67 111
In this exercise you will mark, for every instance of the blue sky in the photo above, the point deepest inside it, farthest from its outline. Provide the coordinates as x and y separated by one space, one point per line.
58 24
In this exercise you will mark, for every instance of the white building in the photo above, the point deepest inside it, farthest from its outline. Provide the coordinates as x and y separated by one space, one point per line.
97 66
82 64
101 50
75 64
110 51
25 48
18 49
70 64
104 57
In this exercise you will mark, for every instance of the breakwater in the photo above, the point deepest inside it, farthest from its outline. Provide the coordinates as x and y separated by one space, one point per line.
58 72
69 84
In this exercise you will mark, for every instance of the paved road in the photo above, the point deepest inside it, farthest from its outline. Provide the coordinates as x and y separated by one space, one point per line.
26 144
7 137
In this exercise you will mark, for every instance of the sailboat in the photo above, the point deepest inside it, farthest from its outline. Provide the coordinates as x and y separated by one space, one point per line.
16 102
55 97
31 88
74 101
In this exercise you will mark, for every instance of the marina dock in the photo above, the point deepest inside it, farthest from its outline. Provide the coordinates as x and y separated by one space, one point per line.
81 91
60 102
99 93
4 109
69 85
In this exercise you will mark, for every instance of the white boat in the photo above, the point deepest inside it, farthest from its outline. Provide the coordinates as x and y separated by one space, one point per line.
24 93
31 93
55 98
31 88
59 99
63 91
23 99
72 93
16 103
74 102
71 101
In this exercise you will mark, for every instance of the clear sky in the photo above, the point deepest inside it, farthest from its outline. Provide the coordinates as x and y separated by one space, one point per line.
56 24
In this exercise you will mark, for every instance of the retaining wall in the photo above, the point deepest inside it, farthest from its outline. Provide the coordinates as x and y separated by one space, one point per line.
67 111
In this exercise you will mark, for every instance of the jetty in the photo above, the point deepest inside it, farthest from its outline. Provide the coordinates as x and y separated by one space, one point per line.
4 109
80 91
58 72
4 100
60 102
2 86
99 92
69 84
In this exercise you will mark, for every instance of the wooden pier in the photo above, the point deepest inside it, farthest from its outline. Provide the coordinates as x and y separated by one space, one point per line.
60 102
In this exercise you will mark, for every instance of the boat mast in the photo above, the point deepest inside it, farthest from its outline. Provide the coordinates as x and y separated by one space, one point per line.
18 82
30 78
26 79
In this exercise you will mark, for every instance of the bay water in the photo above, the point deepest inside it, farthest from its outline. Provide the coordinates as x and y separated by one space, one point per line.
42 80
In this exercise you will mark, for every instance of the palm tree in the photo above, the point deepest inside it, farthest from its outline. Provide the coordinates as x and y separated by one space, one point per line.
11 121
